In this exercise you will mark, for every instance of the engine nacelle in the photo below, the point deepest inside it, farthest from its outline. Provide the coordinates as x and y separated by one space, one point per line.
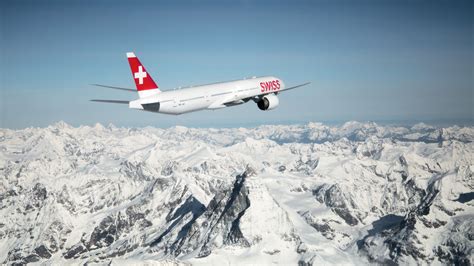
268 102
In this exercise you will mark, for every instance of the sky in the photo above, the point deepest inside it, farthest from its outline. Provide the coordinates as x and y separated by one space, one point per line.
367 60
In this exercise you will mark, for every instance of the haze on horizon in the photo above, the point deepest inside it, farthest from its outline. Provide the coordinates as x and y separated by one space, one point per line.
370 60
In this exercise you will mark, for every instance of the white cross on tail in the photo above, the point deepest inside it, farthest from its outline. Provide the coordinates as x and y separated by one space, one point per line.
140 75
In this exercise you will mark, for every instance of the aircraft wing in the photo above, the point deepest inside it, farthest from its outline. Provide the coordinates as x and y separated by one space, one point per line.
235 100
294 87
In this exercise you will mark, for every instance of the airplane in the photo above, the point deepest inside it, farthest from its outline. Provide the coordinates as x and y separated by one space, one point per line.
261 90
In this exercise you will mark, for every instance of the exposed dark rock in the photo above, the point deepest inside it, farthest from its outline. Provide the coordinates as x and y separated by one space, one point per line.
302 248
104 234
64 198
74 251
169 168
307 166
176 216
39 195
457 249
424 207
324 229
466 197
402 240
415 194
7 194
403 161
32 258
334 198
135 170
272 252
43 252
432 224
221 218
110 229
383 226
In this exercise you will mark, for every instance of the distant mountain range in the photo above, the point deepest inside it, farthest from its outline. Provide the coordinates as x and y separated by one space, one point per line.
287 194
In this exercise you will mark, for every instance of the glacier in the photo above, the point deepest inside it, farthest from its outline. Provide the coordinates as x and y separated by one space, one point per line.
308 194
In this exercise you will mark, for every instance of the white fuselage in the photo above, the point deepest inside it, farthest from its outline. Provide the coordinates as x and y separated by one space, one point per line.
211 96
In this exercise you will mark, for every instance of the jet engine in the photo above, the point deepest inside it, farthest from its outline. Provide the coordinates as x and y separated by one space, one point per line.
268 102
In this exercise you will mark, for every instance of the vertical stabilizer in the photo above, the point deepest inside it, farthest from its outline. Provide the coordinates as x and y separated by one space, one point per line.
145 84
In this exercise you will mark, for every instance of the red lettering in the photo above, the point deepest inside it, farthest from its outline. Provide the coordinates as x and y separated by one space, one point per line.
272 85
267 86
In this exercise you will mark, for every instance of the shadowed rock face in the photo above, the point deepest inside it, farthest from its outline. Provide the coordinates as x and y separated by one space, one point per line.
401 235
466 197
219 223
190 225
177 218
402 240
110 229
339 203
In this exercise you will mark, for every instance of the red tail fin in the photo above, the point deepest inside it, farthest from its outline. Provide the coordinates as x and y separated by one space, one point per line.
142 78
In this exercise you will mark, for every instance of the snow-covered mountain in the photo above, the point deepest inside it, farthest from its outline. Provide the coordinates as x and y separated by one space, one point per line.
298 194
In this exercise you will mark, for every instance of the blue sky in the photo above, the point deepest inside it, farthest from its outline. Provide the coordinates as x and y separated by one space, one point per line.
367 60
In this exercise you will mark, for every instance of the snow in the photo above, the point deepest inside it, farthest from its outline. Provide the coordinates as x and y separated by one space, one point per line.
318 194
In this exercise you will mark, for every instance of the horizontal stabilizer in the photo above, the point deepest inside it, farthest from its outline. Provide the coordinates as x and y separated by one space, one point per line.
110 101
116 88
